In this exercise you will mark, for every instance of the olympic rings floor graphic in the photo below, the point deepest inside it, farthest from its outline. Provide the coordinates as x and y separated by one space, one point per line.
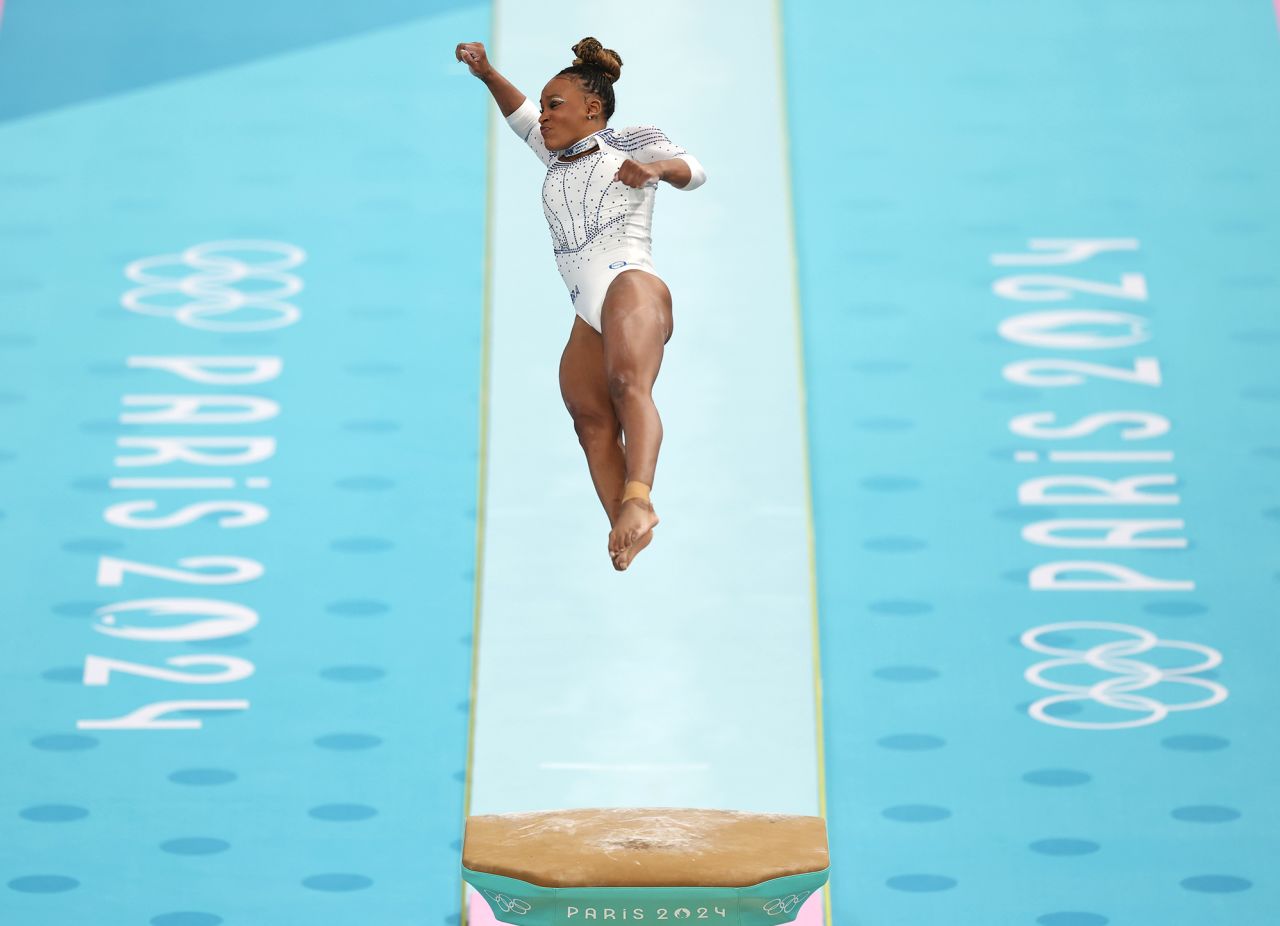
277 374
1131 675
220 285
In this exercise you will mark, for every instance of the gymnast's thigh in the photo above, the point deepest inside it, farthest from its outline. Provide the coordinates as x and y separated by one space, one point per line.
583 384
637 306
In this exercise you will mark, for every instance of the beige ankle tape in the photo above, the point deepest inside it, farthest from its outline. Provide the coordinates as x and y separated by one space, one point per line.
636 490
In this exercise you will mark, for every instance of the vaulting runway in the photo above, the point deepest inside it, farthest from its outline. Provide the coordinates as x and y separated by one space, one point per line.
968 489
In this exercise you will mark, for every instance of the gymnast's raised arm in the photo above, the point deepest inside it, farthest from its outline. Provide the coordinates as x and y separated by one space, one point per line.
504 92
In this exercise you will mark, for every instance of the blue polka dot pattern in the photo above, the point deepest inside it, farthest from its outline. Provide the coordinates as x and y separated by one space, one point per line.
1262 393
1206 813
1057 777
1071 918
1174 608
358 607
63 674
1257 335
1016 576
1064 846
1216 884
1195 743
53 813
76 608
195 845
64 742
186 918
43 884
342 812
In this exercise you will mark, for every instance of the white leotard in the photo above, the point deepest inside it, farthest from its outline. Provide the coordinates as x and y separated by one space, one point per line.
599 226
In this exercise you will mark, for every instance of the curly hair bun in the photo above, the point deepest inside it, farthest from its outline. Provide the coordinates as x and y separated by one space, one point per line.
590 52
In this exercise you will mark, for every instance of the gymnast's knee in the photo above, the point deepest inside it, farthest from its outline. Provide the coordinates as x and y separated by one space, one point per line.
624 388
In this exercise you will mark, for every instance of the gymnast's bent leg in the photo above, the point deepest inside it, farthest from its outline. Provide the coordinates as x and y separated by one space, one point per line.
585 391
636 323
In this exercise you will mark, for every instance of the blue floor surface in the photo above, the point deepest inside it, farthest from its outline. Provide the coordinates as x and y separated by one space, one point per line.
941 137
1028 238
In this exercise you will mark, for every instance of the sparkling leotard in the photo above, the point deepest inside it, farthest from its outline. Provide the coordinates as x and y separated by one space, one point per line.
599 226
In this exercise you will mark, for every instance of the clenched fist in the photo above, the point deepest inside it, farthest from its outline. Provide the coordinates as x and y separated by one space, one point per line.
635 174
473 55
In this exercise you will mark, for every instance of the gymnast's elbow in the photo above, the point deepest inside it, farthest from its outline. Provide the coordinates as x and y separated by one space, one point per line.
697 176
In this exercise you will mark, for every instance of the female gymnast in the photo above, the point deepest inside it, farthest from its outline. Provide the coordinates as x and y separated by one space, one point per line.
598 201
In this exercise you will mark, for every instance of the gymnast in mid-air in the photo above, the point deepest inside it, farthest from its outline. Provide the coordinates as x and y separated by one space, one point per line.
598 201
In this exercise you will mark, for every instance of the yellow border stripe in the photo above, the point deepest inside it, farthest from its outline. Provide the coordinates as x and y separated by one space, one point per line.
780 48
482 477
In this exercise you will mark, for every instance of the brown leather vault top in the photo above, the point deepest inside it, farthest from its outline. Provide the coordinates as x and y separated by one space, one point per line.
645 847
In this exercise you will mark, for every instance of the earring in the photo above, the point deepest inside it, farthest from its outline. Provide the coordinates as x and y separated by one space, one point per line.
590 117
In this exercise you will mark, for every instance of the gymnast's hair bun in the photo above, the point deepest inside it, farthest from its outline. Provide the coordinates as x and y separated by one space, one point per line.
590 52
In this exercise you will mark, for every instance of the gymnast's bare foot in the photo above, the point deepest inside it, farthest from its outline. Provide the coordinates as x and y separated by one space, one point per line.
636 518
622 560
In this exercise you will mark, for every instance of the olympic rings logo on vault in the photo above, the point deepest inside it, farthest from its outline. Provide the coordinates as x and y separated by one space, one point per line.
785 904
508 904
1128 684
207 283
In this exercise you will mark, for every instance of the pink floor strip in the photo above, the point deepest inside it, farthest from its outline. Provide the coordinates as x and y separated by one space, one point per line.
810 914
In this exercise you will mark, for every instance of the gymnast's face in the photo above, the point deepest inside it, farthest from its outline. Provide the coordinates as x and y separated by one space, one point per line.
565 111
